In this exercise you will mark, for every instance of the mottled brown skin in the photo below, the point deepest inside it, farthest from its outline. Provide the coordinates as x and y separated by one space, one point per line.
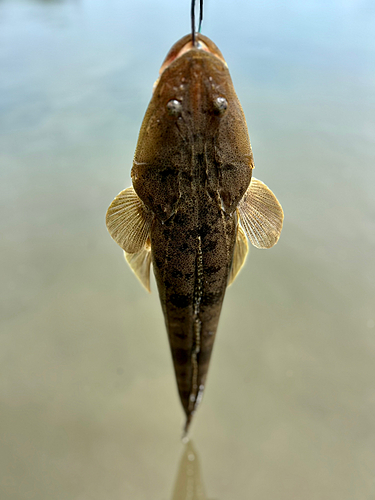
191 170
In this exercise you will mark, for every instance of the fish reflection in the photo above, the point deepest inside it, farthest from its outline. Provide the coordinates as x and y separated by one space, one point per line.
189 485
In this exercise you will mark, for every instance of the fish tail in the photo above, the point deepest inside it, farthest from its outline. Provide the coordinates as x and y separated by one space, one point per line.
191 367
189 418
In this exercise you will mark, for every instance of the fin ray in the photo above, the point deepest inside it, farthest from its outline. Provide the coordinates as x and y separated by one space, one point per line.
140 264
239 256
129 221
261 215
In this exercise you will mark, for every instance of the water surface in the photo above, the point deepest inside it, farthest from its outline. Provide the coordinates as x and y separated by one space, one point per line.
89 407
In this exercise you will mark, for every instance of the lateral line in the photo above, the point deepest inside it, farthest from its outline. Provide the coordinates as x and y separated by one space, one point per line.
197 326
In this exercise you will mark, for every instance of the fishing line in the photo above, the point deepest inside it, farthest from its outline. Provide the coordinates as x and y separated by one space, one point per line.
192 13
200 15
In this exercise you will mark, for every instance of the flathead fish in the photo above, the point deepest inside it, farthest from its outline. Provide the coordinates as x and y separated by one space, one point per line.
193 204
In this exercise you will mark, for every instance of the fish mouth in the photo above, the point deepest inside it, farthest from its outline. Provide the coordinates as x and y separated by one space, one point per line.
185 45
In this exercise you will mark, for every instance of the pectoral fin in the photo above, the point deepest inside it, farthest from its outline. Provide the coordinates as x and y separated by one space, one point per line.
129 221
261 215
140 263
239 256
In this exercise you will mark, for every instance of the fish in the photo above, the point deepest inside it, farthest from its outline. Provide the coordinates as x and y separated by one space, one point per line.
193 204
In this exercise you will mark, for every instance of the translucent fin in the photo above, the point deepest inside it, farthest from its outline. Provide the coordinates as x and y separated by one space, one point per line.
140 263
239 256
128 221
261 215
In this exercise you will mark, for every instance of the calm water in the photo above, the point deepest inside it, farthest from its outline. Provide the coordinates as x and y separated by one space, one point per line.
89 408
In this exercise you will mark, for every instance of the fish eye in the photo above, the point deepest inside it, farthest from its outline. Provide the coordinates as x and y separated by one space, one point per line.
174 107
220 105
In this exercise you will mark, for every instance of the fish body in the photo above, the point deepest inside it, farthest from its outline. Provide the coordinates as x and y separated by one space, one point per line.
191 175
191 255
192 236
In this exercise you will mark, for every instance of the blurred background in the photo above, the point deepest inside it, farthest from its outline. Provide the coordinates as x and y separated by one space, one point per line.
88 404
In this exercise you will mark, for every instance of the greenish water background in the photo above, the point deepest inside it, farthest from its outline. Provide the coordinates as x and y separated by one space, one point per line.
88 404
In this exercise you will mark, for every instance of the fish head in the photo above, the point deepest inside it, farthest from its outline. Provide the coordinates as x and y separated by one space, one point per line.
194 111
194 87
193 97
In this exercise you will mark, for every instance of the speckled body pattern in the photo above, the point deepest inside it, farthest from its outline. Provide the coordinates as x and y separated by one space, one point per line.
190 171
